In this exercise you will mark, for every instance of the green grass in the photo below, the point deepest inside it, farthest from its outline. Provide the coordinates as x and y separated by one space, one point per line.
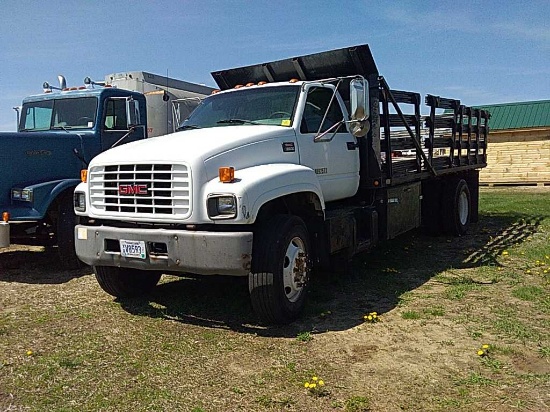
411 315
304 337
529 293
476 379
357 404
434 311
544 352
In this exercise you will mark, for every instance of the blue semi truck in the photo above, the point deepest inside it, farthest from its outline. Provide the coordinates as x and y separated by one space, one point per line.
60 131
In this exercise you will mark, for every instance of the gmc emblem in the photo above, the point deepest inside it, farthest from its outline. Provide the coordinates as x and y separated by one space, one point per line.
127 190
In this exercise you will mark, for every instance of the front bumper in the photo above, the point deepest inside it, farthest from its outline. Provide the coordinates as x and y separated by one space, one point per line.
203 253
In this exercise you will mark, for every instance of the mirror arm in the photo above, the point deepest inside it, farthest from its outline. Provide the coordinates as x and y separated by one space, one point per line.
328 107
130 131
334 127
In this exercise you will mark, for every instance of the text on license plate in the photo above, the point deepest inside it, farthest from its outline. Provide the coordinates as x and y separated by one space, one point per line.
132 248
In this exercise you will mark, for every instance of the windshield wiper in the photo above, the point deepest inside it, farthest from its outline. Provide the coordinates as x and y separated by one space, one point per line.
236 121
187 127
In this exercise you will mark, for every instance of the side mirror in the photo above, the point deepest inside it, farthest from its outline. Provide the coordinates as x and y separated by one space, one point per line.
359 102
132 113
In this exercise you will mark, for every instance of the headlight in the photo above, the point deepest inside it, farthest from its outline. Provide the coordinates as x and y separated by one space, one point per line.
79 199
24 195
222 206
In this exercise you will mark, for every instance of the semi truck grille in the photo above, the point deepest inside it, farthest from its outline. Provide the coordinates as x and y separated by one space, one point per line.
145 189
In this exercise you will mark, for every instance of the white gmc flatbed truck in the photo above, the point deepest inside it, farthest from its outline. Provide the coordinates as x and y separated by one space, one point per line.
287 169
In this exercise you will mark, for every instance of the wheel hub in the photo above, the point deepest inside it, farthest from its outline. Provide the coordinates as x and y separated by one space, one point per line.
295 269
463 211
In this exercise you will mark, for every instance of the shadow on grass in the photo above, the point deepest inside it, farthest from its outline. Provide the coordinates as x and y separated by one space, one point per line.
36 266
376 282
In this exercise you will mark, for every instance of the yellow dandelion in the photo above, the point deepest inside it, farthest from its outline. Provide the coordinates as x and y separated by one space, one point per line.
374 313
485 346
312 385
528 271
321 382
504 253
314 378
480 352
369 317
306 385
29 353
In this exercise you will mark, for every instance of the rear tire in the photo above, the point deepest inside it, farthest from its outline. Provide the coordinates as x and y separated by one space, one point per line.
125 282
281 262
458 207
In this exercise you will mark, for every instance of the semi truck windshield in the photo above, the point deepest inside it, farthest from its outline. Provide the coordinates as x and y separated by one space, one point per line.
73 113
254 105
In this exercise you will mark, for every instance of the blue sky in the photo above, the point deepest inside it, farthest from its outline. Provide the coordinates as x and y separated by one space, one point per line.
481 52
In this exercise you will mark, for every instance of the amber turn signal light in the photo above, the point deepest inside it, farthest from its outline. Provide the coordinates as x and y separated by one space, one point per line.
227 174
84 175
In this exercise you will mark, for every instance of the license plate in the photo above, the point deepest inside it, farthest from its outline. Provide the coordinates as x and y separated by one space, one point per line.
133 248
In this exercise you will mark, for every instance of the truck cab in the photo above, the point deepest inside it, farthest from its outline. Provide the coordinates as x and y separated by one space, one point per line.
58 134
61 130
311 115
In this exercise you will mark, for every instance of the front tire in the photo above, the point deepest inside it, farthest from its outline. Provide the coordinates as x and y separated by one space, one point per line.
281 262
125 282
66 221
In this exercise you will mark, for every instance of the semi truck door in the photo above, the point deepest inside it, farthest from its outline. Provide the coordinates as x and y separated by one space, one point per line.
335 156
115 124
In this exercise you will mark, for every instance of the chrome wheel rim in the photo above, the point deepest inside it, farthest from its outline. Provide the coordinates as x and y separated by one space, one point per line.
294 269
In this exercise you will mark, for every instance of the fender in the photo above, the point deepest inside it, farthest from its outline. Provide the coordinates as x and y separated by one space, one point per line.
43 196
257 185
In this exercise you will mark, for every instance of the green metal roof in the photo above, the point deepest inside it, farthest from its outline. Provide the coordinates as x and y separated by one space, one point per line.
520 115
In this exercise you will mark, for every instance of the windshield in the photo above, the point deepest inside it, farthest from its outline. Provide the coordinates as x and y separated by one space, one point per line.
74 113
255 105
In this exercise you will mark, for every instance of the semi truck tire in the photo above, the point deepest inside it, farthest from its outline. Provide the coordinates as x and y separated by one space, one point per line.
66 221
458 207
281 262
125 282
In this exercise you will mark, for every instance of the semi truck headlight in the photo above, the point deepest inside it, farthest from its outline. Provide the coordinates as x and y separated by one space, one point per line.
79 201
24 195
222 206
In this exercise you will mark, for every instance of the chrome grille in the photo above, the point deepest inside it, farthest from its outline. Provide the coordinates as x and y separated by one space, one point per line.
145 189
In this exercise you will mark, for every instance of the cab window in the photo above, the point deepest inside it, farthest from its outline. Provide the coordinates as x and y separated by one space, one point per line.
318 99
115 115
37 116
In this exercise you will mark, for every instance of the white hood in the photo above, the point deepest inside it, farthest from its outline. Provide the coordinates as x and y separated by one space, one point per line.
191 145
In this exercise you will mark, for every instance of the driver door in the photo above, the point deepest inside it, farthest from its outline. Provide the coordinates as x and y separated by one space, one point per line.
335 156
115 124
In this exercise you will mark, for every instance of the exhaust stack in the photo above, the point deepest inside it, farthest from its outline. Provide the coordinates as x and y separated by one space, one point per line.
62 81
